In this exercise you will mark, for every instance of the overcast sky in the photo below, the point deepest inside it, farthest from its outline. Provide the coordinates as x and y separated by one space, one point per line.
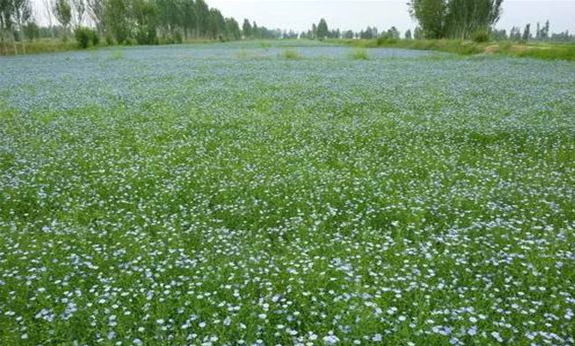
357 14
383 14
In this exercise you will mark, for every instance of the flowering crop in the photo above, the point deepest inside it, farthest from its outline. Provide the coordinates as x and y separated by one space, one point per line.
223 195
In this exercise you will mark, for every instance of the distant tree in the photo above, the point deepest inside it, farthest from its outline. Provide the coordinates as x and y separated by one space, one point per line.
393 33
255 30
369 33
145 14
32 31
117 19
526 33
63 14
322 31
79 9
461 19
430 14
96 12
417 33
232 29
545 31
348 34
247 29
408 35
499 35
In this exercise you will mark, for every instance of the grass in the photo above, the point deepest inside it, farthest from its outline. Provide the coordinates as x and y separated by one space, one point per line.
545 51
38 46
359 53
116 54
291 54
172 199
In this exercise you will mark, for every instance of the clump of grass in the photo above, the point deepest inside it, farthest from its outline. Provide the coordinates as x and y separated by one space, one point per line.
290 54
116 54
359 53
265 45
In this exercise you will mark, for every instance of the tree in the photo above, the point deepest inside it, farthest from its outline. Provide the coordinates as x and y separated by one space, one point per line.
417 34
232 29
247 29
430 14
408 35
5 21
79 9
21 13
392 33
146 21
515 34
322 30
545 31
96 9
63 14
461 19
117 19
526 33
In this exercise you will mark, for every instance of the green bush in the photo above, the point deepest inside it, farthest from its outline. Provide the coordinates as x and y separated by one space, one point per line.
95 38
481 36
386 41
86 36
291 54
359 54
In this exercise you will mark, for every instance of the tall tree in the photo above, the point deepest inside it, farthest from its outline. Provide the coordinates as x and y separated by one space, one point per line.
79 10
117 19
21 13
430 14
526 33
63 14
247 29
322 30
96 12
460 19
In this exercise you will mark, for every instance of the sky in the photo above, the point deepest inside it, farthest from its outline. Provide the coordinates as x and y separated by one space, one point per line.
383 14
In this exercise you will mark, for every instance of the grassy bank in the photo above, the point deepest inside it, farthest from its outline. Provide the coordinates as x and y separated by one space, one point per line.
547 51
56 45
39 46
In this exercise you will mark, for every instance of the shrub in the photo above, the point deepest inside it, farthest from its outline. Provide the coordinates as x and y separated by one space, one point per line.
82 35
109 39
95 38
481 36
86 36
291 54
359 54
382 41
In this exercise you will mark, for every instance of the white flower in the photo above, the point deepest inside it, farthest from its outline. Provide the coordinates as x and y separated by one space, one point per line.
331 339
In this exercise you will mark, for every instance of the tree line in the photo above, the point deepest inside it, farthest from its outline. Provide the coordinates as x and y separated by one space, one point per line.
124 21
173 21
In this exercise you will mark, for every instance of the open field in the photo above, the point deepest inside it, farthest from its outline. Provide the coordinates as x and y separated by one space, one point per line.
236 193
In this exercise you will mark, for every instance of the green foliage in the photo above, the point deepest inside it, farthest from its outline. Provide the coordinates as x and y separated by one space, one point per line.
117 54
456 19
410 201
86 37
291 54
359 53
538 51
63 12
322 30
32 31
481 36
